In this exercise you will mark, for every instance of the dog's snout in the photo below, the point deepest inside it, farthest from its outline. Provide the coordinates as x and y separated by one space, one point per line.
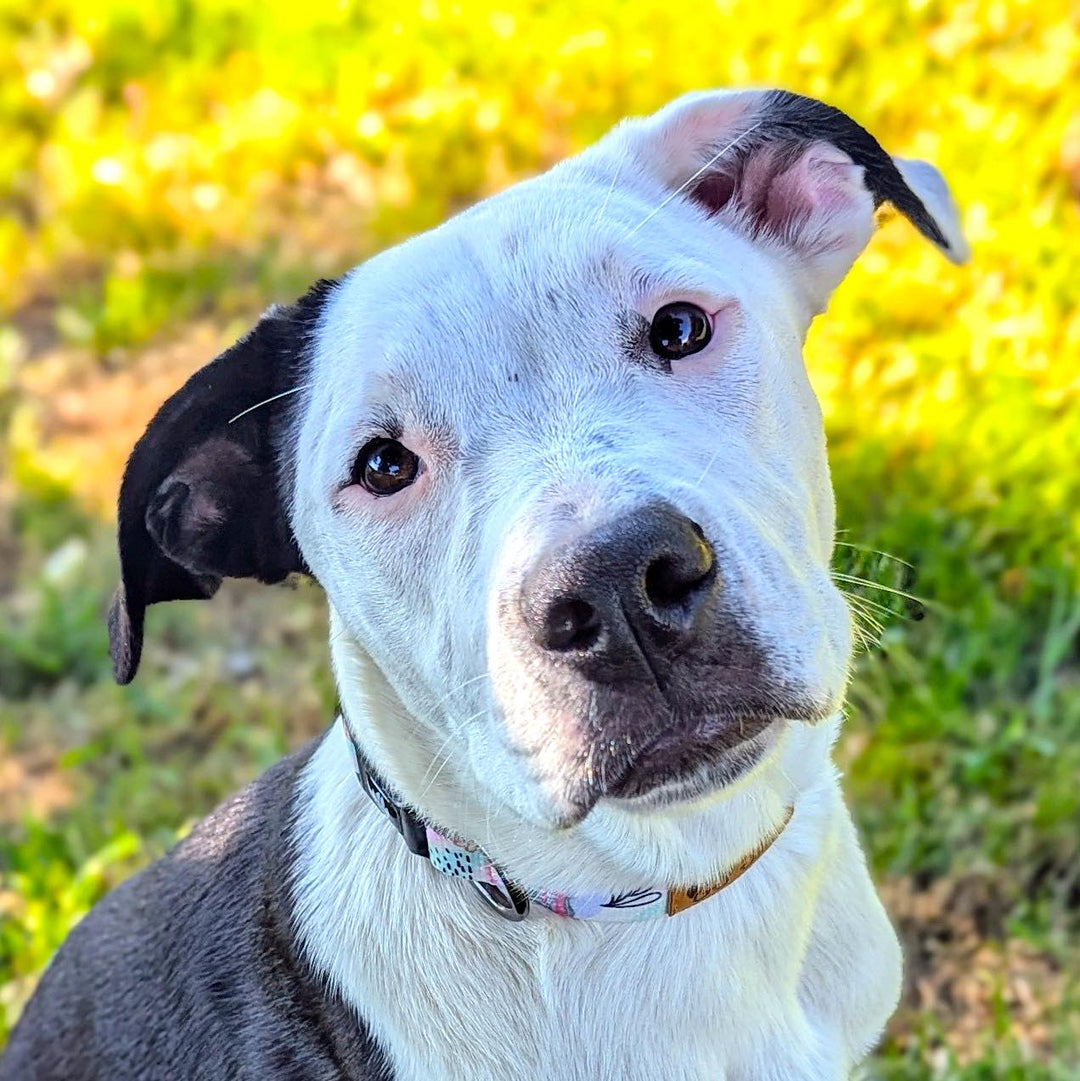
624 594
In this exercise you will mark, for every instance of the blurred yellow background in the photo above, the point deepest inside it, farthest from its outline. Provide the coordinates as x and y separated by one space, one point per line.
168 168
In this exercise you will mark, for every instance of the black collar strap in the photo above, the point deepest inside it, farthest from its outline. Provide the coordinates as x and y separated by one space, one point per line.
497 891
462 860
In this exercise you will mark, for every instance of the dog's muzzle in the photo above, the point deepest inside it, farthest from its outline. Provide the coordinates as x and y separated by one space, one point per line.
634 667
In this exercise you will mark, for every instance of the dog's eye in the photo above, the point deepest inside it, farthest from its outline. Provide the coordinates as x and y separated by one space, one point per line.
678 330
385 466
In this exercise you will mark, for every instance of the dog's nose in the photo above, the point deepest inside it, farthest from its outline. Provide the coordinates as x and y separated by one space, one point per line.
623 597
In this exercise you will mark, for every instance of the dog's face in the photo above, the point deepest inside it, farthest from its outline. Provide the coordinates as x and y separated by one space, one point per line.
557 463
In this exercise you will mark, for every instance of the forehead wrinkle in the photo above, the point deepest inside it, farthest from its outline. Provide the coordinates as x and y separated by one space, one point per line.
635 272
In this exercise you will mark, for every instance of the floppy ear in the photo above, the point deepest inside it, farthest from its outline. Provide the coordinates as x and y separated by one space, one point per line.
204 495
793 172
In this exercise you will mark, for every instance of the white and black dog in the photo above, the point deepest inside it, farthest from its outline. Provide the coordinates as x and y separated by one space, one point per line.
559 468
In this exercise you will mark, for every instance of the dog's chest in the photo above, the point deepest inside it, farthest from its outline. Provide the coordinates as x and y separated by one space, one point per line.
579 1003
453 993
753 984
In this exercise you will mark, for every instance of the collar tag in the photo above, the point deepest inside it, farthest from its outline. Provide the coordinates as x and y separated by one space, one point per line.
504 897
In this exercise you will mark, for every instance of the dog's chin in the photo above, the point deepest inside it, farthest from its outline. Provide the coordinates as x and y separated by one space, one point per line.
679 769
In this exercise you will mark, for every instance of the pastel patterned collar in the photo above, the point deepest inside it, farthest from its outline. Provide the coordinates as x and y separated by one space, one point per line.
460 859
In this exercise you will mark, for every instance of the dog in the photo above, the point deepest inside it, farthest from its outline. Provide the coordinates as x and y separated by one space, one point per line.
559 468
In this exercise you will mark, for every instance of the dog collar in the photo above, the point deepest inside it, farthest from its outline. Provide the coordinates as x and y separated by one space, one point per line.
460 859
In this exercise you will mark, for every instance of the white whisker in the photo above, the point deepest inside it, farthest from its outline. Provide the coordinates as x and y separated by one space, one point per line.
436 765
267 401
429 785
461 686
455 733
712 460
690 179
855 580
873 551
856 598
611 188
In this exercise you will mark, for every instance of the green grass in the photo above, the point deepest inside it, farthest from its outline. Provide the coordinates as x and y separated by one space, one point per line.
168 166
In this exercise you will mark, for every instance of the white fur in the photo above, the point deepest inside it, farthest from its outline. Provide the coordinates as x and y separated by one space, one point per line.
494 342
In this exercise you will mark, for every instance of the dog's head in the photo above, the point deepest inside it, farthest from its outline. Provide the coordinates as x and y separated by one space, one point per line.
557 463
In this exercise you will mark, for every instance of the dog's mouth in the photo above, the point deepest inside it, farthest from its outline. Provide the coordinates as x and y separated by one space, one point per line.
686 762
689 756
642 747
675 769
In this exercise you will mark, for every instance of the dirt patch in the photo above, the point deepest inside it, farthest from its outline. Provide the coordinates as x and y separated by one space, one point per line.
32 785
962 972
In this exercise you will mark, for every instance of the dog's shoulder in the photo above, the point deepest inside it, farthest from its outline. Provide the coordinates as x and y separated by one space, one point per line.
189 969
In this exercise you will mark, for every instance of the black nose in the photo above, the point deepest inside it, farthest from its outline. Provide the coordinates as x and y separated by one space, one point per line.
624 597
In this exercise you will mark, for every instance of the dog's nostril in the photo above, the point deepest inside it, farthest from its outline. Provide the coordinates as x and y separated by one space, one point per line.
671 580
571 624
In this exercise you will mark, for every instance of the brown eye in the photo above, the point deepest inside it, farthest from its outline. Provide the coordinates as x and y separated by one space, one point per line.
385 466
678 330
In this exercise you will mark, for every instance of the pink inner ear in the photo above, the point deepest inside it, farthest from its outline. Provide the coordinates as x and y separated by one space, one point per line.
805 200
822 183
714 191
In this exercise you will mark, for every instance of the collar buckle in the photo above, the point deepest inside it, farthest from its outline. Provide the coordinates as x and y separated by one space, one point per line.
506 898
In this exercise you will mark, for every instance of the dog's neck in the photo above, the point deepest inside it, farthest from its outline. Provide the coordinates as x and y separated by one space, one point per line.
613 848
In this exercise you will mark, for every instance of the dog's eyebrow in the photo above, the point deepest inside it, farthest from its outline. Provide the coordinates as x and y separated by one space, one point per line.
380 419
413 416
677 278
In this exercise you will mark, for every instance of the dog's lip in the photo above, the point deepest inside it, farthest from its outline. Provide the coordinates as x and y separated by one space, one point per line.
701 749
644 786
726 747
715 772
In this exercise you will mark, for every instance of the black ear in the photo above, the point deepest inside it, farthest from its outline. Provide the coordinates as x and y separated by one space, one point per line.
205 491
794 121
797 175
